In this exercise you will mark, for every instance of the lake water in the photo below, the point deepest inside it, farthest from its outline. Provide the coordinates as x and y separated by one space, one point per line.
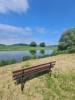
18 55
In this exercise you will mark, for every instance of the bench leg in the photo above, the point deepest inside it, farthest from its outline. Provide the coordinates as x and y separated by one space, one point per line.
23 83
22 86
50 72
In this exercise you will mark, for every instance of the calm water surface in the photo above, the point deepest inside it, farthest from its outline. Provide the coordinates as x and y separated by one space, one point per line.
18 55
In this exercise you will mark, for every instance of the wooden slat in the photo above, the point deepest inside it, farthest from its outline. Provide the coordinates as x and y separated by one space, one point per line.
33 67
32 70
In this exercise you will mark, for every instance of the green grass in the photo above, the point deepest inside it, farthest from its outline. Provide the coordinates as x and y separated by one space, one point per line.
22 48
61 86
7 62
19 48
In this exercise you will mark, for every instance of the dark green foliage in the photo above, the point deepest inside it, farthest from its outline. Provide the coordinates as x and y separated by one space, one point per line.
42 52
34 57
2 45
62 46
26 58
33 52
42 44
67 41
71 49
7 62
33 44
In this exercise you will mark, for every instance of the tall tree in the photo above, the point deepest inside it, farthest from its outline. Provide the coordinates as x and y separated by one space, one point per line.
67 39
42 44
33 44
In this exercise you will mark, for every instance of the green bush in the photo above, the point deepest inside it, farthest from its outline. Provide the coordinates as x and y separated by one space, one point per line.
71 49
67 39
26 58
67 42
7 62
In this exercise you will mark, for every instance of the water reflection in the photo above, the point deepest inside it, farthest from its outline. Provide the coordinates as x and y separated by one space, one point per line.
33 52
18 55
42 52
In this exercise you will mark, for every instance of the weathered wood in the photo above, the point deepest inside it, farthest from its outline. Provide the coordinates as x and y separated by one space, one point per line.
24 74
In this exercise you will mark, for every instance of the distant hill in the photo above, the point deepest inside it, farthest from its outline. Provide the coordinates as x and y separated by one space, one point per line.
21 44
2 44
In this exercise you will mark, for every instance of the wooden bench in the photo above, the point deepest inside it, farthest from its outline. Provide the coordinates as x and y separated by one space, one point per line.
21 76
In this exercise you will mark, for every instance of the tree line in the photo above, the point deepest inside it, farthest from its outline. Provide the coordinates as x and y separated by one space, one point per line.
34 44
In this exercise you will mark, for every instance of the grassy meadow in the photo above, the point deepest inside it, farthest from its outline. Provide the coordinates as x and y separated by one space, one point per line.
60 86
20 48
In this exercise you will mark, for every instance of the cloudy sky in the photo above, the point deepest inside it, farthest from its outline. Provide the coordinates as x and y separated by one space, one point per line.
23 21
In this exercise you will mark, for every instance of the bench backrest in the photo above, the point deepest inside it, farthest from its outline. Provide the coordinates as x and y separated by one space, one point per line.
28 72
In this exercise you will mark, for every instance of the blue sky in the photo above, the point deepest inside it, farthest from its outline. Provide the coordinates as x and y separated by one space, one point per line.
23 21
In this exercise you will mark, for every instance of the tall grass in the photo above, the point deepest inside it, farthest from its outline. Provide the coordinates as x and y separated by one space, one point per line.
7 62
61 86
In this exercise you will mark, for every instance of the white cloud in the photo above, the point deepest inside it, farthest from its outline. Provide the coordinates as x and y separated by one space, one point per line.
4 28
41 30
12 34
17 6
